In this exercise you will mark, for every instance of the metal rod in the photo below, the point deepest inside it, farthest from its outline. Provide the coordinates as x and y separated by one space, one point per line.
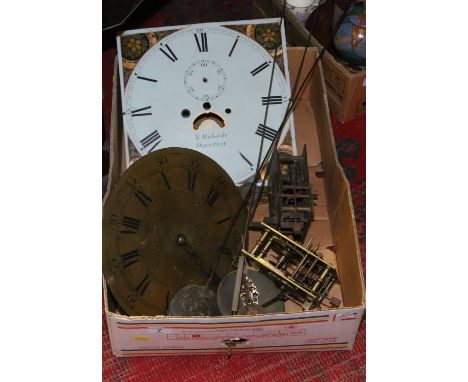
292 105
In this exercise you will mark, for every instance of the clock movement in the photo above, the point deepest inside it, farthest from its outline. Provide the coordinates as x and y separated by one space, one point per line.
206 87
164 225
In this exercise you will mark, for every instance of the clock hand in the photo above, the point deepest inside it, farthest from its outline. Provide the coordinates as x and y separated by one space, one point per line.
181 241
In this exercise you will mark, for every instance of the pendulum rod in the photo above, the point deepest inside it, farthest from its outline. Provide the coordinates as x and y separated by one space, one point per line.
241 262
293 103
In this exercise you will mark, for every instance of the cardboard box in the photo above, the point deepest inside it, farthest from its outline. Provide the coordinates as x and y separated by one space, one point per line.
346 88
334 225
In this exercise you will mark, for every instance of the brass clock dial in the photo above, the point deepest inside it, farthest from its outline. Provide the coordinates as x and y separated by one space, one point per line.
164 225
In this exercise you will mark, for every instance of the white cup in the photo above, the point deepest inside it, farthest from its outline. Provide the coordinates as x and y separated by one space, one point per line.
302 8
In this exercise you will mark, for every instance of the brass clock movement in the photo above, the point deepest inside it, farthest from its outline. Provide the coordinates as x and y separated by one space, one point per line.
163 226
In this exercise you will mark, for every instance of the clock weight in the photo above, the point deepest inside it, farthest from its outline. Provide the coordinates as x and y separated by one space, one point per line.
193 300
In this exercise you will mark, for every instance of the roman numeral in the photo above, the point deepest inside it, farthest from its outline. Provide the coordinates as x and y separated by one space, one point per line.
162 161
151 138
146 79
223 220
143 198
131 225
245 158
129 258
137 112
259 68
192 178
212 196
131 299
169 54
166 181
203 46
141 288
272 100
233 46
266 132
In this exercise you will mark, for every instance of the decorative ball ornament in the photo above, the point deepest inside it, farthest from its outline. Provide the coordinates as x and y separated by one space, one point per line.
350 39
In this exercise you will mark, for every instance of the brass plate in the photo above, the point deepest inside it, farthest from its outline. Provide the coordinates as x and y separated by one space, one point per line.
163 225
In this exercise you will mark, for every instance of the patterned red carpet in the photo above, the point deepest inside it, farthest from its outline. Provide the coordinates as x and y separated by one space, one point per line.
306 366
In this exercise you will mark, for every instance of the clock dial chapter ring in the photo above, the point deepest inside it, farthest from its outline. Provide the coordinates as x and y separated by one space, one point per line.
163 225
206 88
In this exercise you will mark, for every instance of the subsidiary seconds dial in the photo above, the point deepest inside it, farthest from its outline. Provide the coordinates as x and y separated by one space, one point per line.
206 88
205 80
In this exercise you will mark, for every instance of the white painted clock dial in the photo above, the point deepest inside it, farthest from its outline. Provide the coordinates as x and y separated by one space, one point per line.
206 88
